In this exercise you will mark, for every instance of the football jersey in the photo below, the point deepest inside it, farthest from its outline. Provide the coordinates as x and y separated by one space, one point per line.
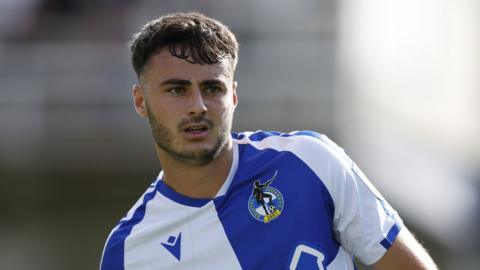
291 201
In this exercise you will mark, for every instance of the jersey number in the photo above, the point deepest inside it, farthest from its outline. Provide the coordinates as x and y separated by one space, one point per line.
312 259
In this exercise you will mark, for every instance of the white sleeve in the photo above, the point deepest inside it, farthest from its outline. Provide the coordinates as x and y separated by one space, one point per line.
364 223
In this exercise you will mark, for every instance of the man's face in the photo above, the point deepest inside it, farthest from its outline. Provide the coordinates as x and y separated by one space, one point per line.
189 106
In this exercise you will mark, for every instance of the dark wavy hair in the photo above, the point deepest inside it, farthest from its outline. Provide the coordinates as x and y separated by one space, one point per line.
191 36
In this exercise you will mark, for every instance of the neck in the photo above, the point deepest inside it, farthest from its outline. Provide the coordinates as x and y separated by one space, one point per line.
197 181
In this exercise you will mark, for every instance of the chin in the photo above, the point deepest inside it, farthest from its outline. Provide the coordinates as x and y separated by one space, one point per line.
199 157
204 154
195 152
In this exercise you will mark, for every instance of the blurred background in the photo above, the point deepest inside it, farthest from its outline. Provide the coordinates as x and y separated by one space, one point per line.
396 83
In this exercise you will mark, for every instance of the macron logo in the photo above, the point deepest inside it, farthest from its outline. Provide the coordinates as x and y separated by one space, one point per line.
173 245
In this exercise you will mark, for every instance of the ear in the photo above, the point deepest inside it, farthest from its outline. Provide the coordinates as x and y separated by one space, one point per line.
139 100
235 97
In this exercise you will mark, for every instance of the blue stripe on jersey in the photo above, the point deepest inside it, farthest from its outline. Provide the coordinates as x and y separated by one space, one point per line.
258 136
307 215
177 197
113 256
391 236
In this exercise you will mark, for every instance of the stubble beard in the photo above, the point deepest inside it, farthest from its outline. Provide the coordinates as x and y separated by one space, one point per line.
164 140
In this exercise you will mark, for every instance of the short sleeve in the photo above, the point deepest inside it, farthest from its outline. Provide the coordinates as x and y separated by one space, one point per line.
364 222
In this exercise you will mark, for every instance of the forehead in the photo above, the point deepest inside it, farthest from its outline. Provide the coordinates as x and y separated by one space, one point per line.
163 66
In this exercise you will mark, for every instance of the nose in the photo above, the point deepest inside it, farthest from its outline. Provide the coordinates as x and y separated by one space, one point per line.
196 104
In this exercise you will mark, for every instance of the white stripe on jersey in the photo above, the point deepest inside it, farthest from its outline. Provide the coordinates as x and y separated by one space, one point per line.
203 238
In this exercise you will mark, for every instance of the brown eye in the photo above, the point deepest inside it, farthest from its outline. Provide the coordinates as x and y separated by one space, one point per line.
213 90
176 91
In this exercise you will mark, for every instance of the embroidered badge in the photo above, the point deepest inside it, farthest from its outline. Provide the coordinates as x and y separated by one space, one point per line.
266 203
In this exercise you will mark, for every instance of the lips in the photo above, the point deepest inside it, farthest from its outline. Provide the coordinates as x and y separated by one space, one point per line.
196 130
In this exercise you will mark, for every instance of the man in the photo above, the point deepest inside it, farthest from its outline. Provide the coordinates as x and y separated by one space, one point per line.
203 210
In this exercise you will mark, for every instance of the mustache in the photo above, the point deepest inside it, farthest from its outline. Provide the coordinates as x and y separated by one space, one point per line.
194 120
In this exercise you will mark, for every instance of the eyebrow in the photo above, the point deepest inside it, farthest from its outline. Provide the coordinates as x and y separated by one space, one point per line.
176 82
208 83
181 82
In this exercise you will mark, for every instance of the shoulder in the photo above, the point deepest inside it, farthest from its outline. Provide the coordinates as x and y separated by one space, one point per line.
137 209
114 247
301 143
316 151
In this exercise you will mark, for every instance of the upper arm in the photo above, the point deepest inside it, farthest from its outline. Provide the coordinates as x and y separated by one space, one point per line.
405 253
363 221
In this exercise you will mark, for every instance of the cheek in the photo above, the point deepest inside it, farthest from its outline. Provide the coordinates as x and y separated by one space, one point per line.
222 109
164 107
163 116
227 114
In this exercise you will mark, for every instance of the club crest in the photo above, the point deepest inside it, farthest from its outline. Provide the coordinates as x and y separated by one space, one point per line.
266 203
